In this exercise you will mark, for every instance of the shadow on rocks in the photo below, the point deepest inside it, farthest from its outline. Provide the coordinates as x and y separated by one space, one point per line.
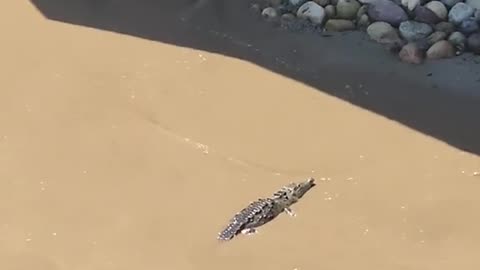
440 98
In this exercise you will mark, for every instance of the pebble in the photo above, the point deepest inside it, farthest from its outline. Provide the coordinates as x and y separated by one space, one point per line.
363 22
330 11
411 53
269 13
435 37
438 8
473 3
339 25
383 33
450 3
322 3
458 40
446 27
347 9
423 44
460 12
287 17
441 49
413 31
468 26
295 2
473 43
312 11
386 11
425 15
410 4
361 11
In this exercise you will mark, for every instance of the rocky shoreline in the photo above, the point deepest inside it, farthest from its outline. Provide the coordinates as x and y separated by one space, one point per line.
416 30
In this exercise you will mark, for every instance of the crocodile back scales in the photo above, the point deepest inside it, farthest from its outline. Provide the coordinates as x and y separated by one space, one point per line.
255 214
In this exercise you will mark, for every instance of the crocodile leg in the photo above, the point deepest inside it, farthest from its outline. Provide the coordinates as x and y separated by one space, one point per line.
290 212
249 231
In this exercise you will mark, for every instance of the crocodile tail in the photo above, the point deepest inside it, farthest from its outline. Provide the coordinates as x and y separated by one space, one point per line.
230 231
242 219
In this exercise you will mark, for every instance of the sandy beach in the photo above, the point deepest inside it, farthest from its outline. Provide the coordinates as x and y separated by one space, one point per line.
132 132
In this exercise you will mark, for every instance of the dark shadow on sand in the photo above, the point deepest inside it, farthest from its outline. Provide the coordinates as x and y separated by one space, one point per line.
440 99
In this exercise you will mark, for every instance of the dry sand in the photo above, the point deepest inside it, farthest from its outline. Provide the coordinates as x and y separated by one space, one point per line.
124 153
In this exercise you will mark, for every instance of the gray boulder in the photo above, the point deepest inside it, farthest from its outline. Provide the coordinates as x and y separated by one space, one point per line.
460 12
413 31
386 11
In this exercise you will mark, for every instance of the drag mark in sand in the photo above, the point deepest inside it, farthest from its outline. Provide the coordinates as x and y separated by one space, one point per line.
207 150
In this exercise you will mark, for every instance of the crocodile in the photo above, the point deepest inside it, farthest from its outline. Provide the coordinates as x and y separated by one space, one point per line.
264 210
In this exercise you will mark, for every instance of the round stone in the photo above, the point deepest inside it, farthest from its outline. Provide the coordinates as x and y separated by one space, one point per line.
438 8
347 9
413 31
441 49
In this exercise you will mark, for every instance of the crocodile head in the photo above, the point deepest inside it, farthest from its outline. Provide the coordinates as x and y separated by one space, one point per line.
291 193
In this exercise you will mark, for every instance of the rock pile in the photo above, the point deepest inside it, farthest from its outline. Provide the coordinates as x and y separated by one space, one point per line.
415 29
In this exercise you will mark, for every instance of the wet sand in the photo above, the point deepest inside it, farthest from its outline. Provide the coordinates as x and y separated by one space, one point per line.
125 153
